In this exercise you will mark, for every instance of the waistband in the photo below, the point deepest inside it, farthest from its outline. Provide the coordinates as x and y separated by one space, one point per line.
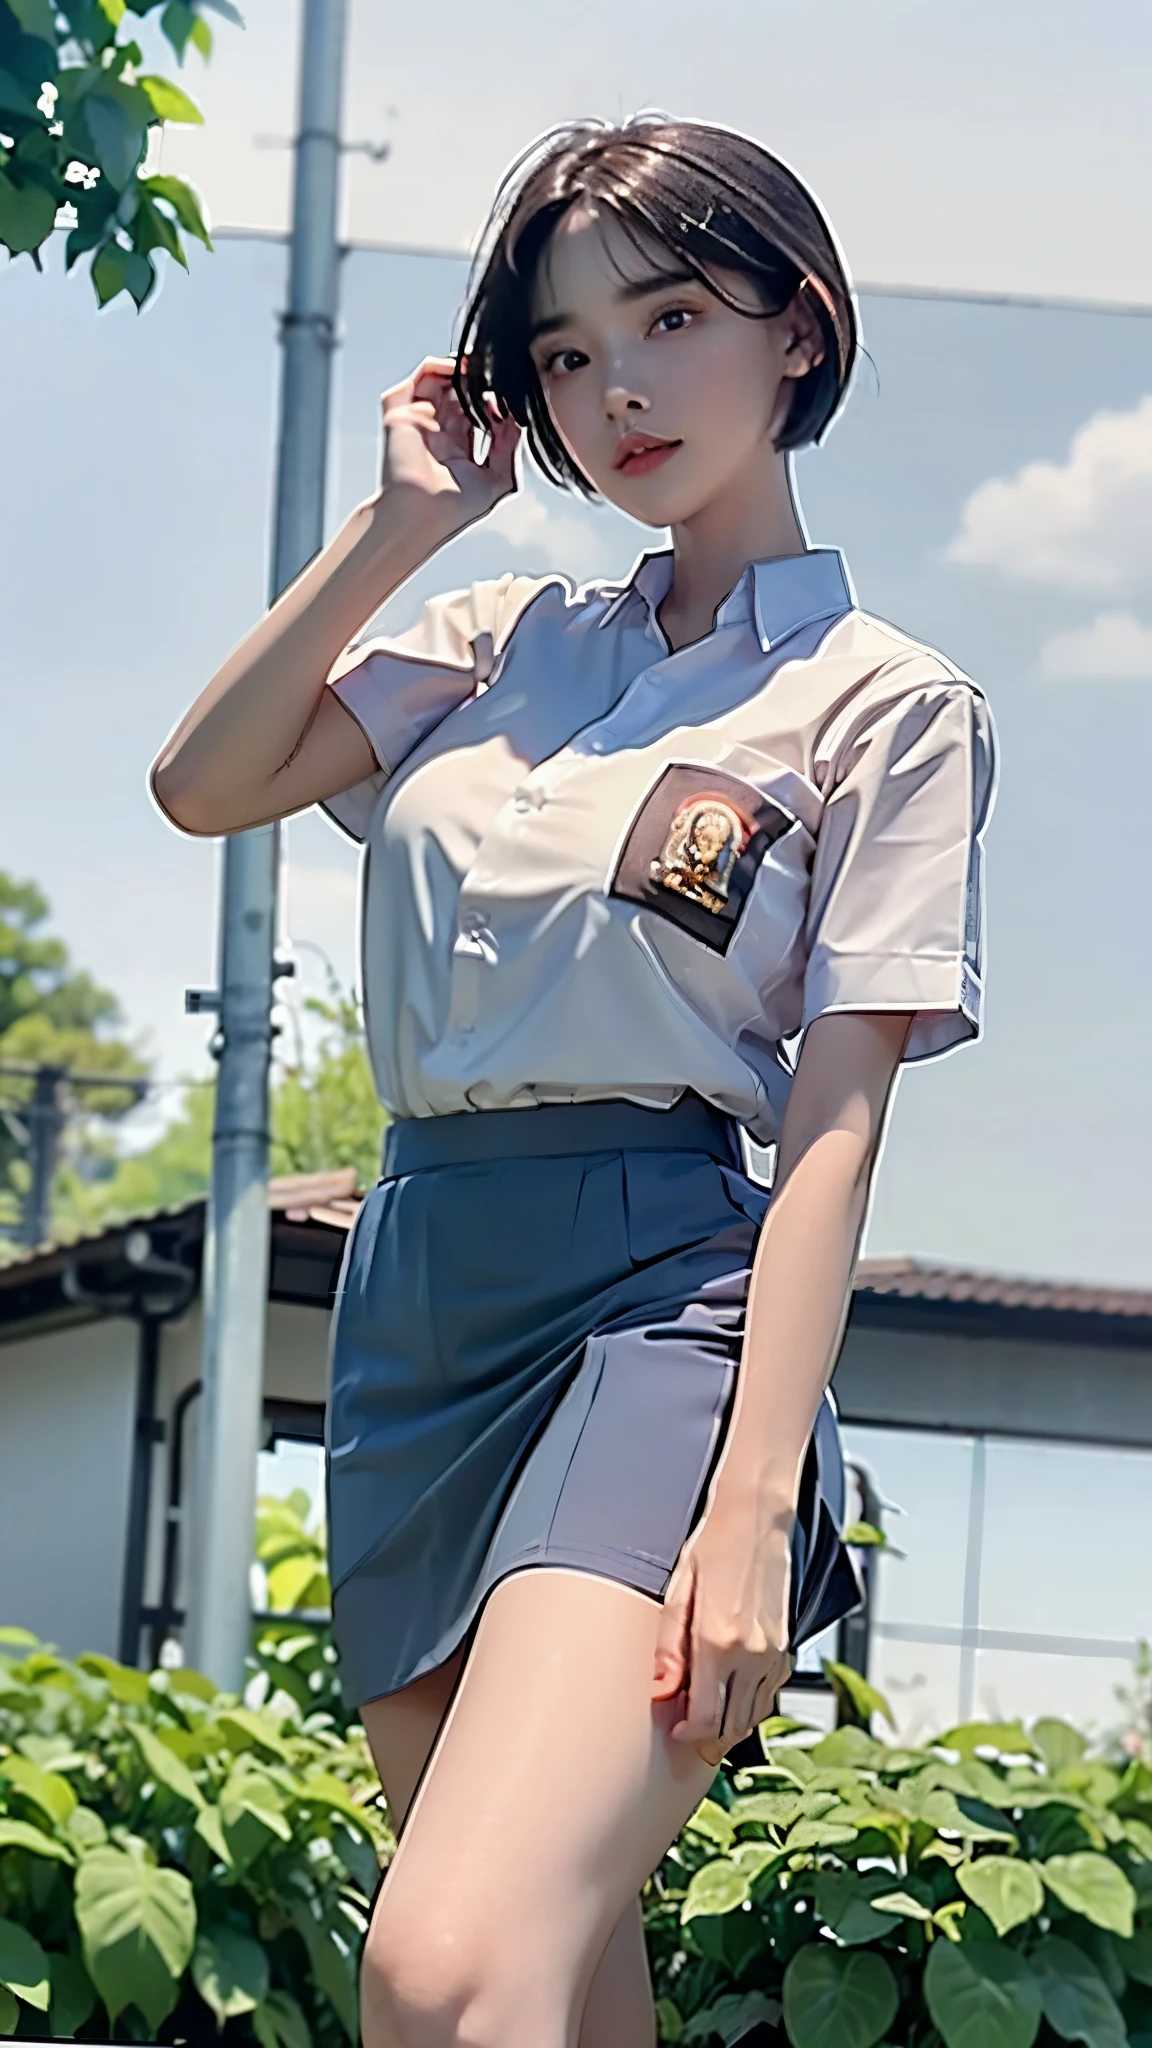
559 1128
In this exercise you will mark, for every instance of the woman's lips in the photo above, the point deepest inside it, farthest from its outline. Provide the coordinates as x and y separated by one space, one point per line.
646 455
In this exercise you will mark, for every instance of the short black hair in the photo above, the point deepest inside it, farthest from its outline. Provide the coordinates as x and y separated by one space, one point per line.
709 195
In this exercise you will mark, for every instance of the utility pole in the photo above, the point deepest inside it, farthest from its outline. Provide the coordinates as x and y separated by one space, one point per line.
235 1289
38 1125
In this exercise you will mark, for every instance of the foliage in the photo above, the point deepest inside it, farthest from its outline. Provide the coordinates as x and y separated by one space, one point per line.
1135 1698
174 1860
294 1557
991 1890
77 111
325 1112
50 1013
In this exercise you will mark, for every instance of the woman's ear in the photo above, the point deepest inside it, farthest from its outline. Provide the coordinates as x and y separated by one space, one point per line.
804 338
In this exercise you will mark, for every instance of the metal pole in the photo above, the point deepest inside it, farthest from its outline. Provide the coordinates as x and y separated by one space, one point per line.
44 1119
236 1269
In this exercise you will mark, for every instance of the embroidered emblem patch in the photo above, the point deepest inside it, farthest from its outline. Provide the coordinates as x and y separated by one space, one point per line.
704 842
693 848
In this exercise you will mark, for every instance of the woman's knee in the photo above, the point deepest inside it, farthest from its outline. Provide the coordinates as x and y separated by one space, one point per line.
430 1981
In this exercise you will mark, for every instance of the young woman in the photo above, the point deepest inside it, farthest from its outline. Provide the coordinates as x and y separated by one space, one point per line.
646 862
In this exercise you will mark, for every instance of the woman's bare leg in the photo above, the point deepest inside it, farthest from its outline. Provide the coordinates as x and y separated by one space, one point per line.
553 1792
402 1730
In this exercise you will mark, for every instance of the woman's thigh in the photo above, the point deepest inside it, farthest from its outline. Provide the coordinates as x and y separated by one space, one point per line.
553 1792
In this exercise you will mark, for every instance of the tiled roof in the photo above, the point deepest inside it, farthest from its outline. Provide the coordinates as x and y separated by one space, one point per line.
332 1201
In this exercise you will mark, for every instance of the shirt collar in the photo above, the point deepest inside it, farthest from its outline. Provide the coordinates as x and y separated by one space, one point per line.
788 592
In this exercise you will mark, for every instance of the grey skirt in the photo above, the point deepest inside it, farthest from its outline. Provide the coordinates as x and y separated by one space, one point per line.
534 1350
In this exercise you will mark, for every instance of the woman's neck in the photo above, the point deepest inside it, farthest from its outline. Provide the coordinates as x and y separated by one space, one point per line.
754 519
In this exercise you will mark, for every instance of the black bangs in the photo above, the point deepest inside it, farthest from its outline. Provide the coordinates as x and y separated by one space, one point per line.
708 196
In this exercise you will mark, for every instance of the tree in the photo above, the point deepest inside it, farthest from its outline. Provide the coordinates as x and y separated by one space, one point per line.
51 1014
77 112
325 1114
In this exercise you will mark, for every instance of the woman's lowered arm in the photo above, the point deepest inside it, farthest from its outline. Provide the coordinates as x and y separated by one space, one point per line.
264 738
724 1636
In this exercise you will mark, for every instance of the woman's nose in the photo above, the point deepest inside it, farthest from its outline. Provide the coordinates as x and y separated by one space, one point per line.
620 400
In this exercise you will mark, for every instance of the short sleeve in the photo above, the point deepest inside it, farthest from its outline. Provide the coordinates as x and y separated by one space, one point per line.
398 688
896 910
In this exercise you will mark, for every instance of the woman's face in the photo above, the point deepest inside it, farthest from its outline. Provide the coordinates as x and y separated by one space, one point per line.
662 394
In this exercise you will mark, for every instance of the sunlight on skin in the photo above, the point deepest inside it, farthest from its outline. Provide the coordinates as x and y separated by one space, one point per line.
669 401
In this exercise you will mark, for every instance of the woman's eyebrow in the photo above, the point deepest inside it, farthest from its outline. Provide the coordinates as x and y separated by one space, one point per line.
634 288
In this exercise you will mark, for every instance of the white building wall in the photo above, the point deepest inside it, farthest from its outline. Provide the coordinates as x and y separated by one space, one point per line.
66 1411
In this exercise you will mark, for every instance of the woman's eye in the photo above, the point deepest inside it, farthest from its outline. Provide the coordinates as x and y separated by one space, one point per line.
674 319
564 360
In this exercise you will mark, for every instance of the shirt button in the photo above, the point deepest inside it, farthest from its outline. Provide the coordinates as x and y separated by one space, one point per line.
522 800
597 746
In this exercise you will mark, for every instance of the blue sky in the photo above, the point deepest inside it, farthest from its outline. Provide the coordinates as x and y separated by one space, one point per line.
139 456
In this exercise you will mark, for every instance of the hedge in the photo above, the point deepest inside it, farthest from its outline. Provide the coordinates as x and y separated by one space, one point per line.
178 1865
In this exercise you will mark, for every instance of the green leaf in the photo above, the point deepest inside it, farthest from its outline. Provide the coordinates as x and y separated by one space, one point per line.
9 2012
719 1887
201 37
1007 1738
169 102
230 1971
1077 2002
86 1829
45 1789
772 1809
116 127
127 1686
333 1966
838 1998
113 11
844 1903
713 1823
226 8
36 18
185 205
981 1995
27 216
73 1997
138 1926
279 2023
20 1834
1136 1955
166 1768
901 1903
862 1697
242 1728
669 2025
210 1830
1059 1743
1090 1884
730 2018
1004 1887
832 1833
24 1965
110 272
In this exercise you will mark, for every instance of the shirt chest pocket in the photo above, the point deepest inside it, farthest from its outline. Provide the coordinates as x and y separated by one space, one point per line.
693 846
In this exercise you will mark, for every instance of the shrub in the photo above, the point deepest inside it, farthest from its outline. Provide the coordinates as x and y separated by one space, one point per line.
174 1862
989 1891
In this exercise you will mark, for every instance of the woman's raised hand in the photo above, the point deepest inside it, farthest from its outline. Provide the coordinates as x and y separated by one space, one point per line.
428 448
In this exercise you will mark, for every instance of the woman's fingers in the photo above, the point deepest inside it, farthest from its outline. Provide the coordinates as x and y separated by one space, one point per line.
670 1675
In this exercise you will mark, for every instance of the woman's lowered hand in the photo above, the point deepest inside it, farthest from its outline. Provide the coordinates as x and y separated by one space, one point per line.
721 1645
429 454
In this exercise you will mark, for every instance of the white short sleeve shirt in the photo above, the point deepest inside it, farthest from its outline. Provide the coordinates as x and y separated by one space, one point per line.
598 868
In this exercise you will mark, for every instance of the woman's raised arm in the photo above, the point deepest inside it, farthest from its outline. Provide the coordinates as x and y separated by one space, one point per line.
264 737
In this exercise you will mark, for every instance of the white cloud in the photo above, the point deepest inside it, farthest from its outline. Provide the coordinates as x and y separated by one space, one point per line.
551 531
1085 524
1114 648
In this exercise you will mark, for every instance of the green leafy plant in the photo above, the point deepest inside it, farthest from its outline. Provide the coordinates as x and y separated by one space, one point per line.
990 1890
77 109
175 1861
